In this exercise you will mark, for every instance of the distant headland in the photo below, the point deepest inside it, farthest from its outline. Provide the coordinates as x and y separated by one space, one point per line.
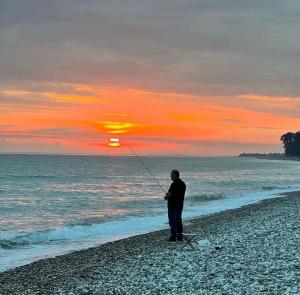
291 145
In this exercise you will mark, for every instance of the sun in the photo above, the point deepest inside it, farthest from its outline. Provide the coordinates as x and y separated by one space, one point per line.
114 142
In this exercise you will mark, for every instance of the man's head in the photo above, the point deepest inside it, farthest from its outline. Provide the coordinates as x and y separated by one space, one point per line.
174 174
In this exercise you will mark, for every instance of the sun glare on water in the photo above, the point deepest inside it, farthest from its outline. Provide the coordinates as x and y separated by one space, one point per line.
114 142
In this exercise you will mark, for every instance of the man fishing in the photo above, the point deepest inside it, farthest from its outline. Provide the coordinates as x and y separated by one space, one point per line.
175 198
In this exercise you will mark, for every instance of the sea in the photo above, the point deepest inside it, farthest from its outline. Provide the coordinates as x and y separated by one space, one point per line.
54 204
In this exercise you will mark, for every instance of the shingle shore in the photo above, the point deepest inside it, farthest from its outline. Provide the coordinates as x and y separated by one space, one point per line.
261 255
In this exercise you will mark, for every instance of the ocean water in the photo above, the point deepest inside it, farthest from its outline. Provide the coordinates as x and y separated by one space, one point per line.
54 204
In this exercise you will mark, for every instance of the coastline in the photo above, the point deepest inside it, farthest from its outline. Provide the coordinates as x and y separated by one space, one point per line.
260 256
274 156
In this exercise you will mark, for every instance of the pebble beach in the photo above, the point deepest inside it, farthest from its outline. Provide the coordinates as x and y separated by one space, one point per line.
260 255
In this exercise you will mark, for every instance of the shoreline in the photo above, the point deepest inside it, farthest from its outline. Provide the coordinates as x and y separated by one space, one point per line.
117 230
92 270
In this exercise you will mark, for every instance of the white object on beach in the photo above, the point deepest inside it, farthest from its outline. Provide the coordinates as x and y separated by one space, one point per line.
204 243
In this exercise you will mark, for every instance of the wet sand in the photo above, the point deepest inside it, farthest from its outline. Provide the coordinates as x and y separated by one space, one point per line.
261 255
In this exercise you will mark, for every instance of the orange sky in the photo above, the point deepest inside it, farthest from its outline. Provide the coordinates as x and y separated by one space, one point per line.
170 77
82 118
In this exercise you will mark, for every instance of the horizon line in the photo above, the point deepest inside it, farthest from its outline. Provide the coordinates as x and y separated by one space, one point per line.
109 155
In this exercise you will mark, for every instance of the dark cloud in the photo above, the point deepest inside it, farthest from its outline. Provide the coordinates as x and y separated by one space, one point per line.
213 47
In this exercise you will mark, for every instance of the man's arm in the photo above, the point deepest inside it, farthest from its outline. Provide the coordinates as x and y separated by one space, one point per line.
168 195
170 192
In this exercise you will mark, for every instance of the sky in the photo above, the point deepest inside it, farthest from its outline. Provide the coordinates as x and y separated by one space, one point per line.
172 77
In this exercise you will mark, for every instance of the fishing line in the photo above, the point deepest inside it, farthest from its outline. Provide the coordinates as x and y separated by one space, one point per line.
142 163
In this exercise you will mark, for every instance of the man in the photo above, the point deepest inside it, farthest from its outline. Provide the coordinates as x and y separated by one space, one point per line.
175 198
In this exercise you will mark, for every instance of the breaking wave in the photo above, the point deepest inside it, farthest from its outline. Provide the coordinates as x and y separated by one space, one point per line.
44 237
205 198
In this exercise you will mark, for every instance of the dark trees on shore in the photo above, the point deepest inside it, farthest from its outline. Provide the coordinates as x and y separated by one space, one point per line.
291 142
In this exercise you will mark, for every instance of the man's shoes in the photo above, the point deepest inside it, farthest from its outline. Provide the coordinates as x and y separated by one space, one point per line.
171 239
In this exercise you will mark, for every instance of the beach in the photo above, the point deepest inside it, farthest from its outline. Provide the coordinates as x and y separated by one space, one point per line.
260 255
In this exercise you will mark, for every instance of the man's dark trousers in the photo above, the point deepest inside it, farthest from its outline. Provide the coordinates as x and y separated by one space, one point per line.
175 222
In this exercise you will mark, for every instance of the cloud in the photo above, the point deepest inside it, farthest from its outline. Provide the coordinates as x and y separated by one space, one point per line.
22 100
116 127
4 126
197 47
60 134
35 95
13 146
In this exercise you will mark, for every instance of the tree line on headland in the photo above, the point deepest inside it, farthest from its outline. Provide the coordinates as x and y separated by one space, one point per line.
291 143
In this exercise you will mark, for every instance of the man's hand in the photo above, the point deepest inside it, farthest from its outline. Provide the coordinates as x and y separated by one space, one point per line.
167 196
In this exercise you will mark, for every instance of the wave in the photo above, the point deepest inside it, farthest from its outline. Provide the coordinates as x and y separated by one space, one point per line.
29 177
10 244
205 198
71 233
269 188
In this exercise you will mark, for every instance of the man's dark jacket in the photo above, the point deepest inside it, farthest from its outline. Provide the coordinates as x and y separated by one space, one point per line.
177 190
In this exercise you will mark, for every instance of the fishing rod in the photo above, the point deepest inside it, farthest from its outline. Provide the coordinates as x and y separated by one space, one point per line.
142 163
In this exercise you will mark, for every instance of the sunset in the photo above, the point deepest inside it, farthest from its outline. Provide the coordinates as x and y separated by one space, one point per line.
149 147
114 142
79 121
207 84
